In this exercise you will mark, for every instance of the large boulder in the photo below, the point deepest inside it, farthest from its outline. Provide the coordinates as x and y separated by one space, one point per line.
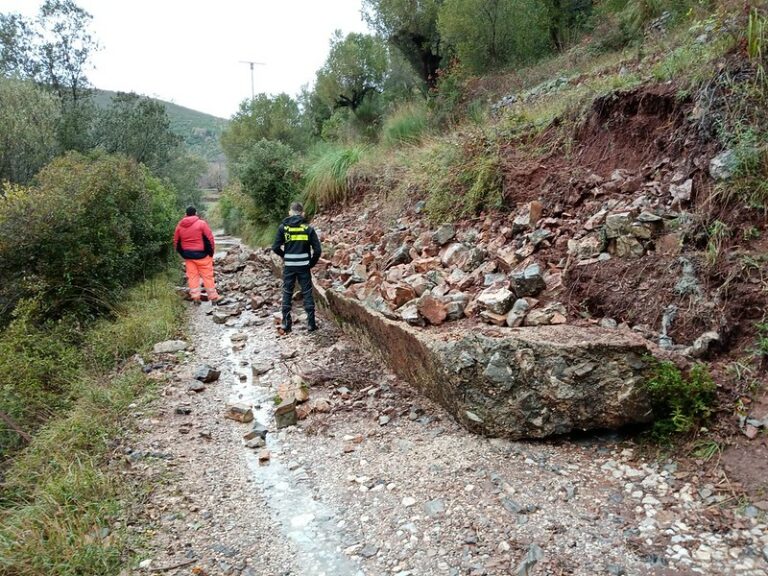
529 383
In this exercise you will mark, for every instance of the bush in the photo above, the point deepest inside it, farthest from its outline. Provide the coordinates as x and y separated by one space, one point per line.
39 373
88 227
327 178
406 125
463 180
679 403
266 174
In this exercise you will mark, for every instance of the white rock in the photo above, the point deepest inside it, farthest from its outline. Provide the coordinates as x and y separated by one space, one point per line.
408 501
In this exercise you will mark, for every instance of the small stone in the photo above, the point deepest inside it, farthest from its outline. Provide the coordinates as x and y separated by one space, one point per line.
369 551
261 368
257 442
183 410
207 374
529 282
169 347
682 192
409 501
196 387
722 166
239 413
444 234
609 323
264 456
434 507
383 420
285 414
616 570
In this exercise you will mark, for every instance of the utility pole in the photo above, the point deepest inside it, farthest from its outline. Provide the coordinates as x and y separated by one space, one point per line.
251 63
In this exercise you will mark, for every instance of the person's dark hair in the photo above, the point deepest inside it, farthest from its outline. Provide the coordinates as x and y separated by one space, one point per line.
296 209
191 211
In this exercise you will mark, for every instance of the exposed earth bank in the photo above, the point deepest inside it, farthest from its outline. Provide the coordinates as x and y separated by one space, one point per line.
375 479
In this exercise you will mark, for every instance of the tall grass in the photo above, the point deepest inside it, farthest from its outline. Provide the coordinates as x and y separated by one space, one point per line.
62 507
408 124
327 178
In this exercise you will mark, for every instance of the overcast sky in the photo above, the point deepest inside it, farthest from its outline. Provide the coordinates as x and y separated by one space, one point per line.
188 51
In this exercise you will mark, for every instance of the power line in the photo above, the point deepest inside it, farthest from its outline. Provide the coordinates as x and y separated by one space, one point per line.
251 63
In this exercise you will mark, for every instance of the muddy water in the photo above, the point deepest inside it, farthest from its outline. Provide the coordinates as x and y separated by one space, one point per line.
311 526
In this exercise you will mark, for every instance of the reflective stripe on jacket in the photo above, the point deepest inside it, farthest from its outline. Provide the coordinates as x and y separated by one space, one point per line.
297 243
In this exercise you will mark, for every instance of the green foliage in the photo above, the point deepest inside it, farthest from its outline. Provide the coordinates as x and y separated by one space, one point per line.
490 34
679 402
354 71
760 350
39 372
718 233
137 127
327 177
60 501
408 124
88 227
705 449
275 118
410 26
266 174
149 313
28 128
462 180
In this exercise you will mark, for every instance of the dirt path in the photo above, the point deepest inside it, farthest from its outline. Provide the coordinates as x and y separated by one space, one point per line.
379 481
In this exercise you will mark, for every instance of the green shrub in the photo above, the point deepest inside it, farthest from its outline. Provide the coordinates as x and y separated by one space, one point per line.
89 227
327 178
39 373
679 402
406 125
462 180
148 313
267 176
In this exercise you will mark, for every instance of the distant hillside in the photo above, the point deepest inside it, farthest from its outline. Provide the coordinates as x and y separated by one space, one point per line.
200 131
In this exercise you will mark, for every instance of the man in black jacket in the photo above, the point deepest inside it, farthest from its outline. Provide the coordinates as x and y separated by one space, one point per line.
297 244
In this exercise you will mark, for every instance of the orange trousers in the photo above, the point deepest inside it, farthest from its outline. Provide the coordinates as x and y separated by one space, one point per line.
197 269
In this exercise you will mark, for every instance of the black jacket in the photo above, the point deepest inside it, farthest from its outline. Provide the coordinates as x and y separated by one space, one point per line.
297 244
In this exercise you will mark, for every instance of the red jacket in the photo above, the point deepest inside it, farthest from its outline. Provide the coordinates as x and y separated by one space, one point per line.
193 238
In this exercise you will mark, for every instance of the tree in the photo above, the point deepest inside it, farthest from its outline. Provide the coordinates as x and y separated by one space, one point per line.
138 127
264 117
28 121
356 68
16 53
266 174
411 27
564 15
489 34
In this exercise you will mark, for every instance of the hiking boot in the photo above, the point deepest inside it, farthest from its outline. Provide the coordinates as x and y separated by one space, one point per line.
311 328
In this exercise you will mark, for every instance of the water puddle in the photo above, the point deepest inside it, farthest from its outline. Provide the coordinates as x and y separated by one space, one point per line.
308 523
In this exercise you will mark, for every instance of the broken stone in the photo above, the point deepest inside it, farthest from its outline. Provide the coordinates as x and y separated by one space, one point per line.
410 314
702 344
517 314
682 192
207 374
588 247
609 323
444 234
495 319
722 166
553 313
629 247
538 236
432 309
529 282
239 413
219 317
453 254
254 443
258 430
398 294
535 211
285 414
616 224
401 256
264 456
261 368
169 347
196 387
496 300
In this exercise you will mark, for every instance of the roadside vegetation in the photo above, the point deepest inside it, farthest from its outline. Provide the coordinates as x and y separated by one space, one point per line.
88 201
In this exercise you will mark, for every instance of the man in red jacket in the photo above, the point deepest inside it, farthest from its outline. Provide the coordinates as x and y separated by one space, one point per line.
193 239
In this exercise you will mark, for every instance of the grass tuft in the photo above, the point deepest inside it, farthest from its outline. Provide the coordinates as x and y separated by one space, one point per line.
328 176
407 125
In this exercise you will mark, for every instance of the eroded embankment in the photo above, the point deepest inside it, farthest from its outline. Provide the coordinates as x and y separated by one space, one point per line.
529 383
